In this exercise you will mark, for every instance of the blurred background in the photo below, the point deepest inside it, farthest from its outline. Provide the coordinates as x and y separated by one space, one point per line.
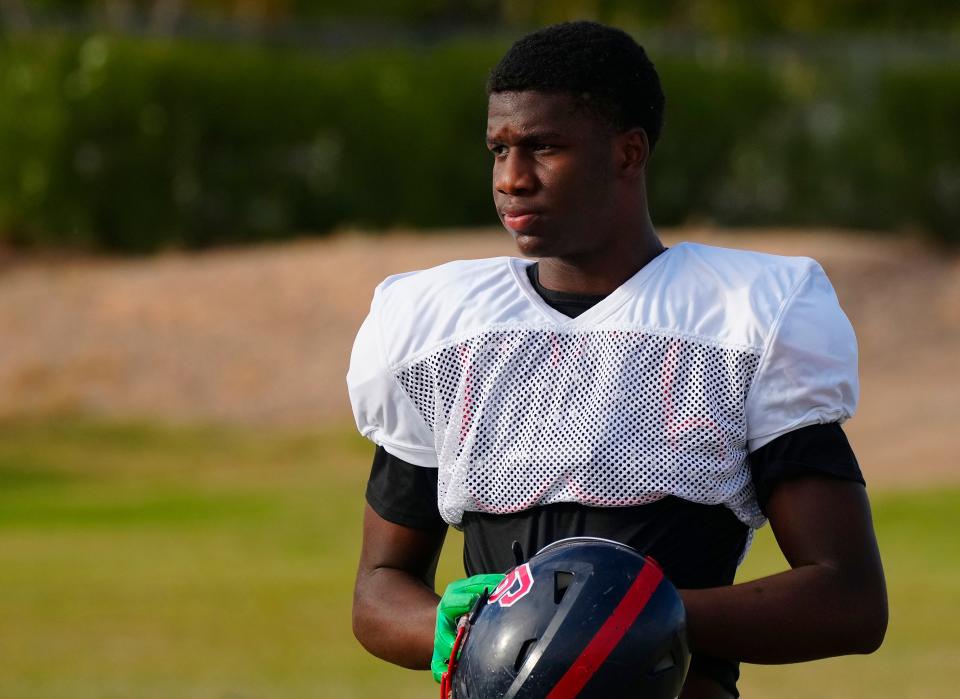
197 198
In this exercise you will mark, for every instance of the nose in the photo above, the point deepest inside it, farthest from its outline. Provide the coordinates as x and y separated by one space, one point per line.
513 174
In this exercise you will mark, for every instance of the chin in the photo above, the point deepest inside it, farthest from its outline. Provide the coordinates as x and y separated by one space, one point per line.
532 246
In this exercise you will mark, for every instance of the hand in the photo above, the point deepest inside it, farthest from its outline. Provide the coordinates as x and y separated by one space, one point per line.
457 600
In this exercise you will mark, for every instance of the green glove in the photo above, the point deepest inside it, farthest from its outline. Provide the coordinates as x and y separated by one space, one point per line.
457 600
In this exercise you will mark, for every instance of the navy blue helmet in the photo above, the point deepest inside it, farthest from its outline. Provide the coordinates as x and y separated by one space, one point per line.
584 617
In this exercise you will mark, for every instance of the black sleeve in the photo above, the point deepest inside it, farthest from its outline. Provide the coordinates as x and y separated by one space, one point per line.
403 493
816 450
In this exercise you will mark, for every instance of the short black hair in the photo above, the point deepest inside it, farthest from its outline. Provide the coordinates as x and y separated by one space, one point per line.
602 67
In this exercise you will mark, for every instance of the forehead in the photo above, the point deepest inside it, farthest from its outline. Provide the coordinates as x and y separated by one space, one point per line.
531 111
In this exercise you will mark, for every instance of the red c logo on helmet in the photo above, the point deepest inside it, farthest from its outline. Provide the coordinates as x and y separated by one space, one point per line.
513 587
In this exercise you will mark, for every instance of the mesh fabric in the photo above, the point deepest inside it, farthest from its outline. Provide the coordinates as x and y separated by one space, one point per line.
608 417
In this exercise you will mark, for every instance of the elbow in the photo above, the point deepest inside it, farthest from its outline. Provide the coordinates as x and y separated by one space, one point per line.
359 629
873 629
856 616
364 630
361 620
864 599
877 618
871 622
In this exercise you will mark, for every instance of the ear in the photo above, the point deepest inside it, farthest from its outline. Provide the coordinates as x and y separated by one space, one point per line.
633 151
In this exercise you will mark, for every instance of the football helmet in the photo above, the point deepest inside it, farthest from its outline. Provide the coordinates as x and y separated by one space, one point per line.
584 617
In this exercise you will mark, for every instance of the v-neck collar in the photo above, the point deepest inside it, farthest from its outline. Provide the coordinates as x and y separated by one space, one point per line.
597 313
569 304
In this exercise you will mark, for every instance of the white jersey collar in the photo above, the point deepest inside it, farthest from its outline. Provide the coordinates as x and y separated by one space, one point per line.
599 312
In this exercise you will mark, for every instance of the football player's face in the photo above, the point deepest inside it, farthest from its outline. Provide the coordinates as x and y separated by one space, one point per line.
553 173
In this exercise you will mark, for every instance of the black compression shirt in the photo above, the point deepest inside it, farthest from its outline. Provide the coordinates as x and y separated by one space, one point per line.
697 545
565 302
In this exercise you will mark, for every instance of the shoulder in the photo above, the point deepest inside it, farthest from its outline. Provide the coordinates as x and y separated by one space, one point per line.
418 310
733 295
457 278
729 268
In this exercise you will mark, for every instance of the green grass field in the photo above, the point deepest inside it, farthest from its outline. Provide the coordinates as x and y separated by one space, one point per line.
140 561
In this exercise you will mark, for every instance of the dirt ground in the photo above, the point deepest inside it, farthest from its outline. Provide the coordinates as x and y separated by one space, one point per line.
262 335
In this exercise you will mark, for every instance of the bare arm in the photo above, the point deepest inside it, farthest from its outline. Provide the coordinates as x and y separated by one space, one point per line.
833 601
394 603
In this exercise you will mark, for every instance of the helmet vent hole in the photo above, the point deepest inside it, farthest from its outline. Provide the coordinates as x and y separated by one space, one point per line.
561 581
665 663
522 655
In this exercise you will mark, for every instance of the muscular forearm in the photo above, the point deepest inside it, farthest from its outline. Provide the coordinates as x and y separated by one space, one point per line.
394 615
810 612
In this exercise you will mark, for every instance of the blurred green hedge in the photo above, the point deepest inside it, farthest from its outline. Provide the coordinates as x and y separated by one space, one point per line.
134 145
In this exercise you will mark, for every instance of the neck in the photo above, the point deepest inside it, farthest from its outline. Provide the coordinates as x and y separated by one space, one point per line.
604 270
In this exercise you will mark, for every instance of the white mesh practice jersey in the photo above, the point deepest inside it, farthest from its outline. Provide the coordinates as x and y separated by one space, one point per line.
660 389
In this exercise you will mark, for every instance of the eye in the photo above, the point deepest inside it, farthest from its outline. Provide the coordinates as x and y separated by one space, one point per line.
543 147
497 149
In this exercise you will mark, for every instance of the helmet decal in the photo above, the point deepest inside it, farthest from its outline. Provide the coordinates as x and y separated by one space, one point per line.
513 587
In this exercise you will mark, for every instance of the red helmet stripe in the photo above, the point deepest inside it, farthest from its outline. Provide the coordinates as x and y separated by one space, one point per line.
609 635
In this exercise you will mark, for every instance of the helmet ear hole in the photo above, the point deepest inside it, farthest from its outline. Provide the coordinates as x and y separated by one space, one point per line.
522 655
561 581
667 662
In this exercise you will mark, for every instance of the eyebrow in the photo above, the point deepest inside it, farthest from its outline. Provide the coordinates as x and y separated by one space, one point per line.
533 137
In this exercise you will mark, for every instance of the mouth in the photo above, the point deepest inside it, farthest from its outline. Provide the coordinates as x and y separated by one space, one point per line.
518 220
